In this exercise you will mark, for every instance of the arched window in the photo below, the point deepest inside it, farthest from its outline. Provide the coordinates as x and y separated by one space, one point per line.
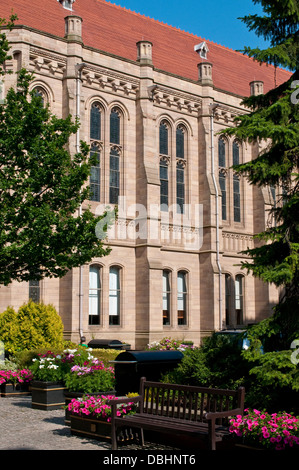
95 288
236 184
163 141
166 297
180 168
182 298
221 153
115 126
34 290
41 94
115 153
95 134
164 164
222 174
180 142
95 173
95 122
239 299
114 296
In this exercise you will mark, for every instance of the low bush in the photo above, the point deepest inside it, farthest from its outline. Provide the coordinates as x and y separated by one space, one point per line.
35 325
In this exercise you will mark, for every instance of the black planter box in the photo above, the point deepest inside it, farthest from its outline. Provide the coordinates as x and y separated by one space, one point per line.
14 390
96 428
47 395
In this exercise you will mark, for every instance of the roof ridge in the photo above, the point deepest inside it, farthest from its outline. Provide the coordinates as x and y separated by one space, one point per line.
114 5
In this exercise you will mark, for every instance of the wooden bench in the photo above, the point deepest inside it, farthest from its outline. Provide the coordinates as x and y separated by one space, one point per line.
182 410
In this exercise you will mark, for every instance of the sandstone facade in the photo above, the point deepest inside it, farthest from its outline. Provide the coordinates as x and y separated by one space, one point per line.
172 274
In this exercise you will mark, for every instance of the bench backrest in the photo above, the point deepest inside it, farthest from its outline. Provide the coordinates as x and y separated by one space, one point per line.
188 402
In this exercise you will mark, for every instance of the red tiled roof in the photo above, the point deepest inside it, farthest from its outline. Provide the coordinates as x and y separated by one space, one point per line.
116 30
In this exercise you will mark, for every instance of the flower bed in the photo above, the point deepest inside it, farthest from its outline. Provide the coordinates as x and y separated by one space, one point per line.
90 416
92 377
97 407
271 431
15 382
170 344
16 376
51 367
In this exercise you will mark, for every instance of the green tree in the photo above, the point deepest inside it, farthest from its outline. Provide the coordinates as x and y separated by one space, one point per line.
272 120
42 234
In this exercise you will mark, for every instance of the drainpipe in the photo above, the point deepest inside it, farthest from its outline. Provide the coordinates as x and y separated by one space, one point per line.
213 106
78 69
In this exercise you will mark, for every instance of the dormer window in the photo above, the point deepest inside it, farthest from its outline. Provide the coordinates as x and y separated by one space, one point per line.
202 49
67 4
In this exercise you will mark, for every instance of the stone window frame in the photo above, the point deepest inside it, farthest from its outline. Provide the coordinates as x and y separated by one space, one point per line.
184 319
233 317
98 320
228 182
116 320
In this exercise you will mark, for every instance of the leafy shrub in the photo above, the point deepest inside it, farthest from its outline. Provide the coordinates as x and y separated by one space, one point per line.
169 344
35 325
9 329
192 370
271 380
217 363
106 355
91 378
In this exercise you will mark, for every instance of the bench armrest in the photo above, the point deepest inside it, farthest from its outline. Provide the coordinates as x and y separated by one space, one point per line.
113 402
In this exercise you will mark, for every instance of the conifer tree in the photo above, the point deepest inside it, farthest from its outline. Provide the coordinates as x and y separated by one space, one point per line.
42 233
273 121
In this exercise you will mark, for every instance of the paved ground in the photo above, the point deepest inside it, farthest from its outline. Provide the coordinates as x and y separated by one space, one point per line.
24 428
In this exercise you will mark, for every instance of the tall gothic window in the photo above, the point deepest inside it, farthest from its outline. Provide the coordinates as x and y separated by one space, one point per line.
180 168
222 174
115 153
95 151
94 295
180 186
95 173
164 184
239 299
40 92
180 142
114 295
166 297
163 142
114 183
236 184
182 298
114 126
34 290
164 164
95 122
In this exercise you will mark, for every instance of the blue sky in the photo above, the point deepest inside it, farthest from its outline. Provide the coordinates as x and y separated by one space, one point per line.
213 20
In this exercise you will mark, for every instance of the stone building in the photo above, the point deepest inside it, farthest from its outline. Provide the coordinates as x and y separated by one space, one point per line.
152 101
